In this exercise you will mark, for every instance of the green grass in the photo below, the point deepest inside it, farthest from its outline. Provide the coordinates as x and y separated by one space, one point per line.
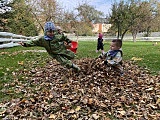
150 54
10 59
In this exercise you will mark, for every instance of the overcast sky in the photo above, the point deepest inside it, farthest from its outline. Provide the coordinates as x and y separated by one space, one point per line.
100 5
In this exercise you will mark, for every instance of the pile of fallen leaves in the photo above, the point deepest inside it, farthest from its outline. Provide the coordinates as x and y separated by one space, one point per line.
96 93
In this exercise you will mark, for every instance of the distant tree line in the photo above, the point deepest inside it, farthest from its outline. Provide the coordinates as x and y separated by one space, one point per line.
135 16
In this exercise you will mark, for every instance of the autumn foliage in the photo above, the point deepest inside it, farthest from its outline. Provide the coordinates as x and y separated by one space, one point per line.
95 93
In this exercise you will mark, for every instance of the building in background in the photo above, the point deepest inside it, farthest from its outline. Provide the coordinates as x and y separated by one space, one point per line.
101 28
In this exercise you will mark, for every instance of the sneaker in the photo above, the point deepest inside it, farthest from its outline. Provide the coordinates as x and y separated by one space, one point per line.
76 68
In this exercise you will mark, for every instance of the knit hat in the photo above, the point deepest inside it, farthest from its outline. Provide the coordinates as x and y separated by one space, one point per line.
49 26
100 35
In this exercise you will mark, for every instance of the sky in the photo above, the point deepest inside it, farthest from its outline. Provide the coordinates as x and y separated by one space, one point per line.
100 5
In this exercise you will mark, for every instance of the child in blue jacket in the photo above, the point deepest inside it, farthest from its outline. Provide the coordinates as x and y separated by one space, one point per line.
113 57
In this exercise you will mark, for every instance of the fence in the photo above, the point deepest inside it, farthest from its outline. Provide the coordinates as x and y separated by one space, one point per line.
8 40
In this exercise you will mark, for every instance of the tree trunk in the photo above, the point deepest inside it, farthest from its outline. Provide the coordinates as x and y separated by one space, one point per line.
148 31
118 31
134 34
124 34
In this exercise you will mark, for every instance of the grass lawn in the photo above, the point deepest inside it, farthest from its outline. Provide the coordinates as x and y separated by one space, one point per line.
15 59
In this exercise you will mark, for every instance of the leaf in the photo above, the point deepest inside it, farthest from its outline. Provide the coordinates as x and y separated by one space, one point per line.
158 101
95 116
136 59
90 101
52 116
2 111
20 63
71 111
150 89
122 112
77 108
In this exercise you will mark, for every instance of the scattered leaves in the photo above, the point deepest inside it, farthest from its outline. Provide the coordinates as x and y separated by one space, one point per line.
136 59
97 92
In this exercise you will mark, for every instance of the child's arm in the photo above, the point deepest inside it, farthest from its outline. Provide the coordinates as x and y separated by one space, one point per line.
103 55
36 42
116 60
68 45
61 38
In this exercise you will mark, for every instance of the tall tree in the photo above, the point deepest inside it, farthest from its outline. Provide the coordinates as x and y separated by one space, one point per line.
143 20
45 10
119 18
5 9
155 23
68 21
88 15
21 21
129 16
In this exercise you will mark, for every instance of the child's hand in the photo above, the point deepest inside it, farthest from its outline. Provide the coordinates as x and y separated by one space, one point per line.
101 56
68 45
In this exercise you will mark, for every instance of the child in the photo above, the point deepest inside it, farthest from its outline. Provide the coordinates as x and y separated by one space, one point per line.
55 45
59 30
100 43
113 57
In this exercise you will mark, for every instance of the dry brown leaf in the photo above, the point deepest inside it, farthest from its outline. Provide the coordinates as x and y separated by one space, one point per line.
77 108
52 116
97 92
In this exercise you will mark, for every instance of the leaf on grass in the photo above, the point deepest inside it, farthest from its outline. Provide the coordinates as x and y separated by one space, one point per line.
136 59
20 63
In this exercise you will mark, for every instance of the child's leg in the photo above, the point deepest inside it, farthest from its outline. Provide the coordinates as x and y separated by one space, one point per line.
119 69
98 48
65 62
102 49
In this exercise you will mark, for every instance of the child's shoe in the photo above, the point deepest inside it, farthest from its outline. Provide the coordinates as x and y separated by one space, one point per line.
76 68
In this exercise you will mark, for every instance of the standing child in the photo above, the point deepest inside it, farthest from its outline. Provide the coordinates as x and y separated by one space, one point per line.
113 57
54 44
100 43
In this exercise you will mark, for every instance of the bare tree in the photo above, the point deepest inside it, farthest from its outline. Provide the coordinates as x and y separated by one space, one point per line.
45 10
